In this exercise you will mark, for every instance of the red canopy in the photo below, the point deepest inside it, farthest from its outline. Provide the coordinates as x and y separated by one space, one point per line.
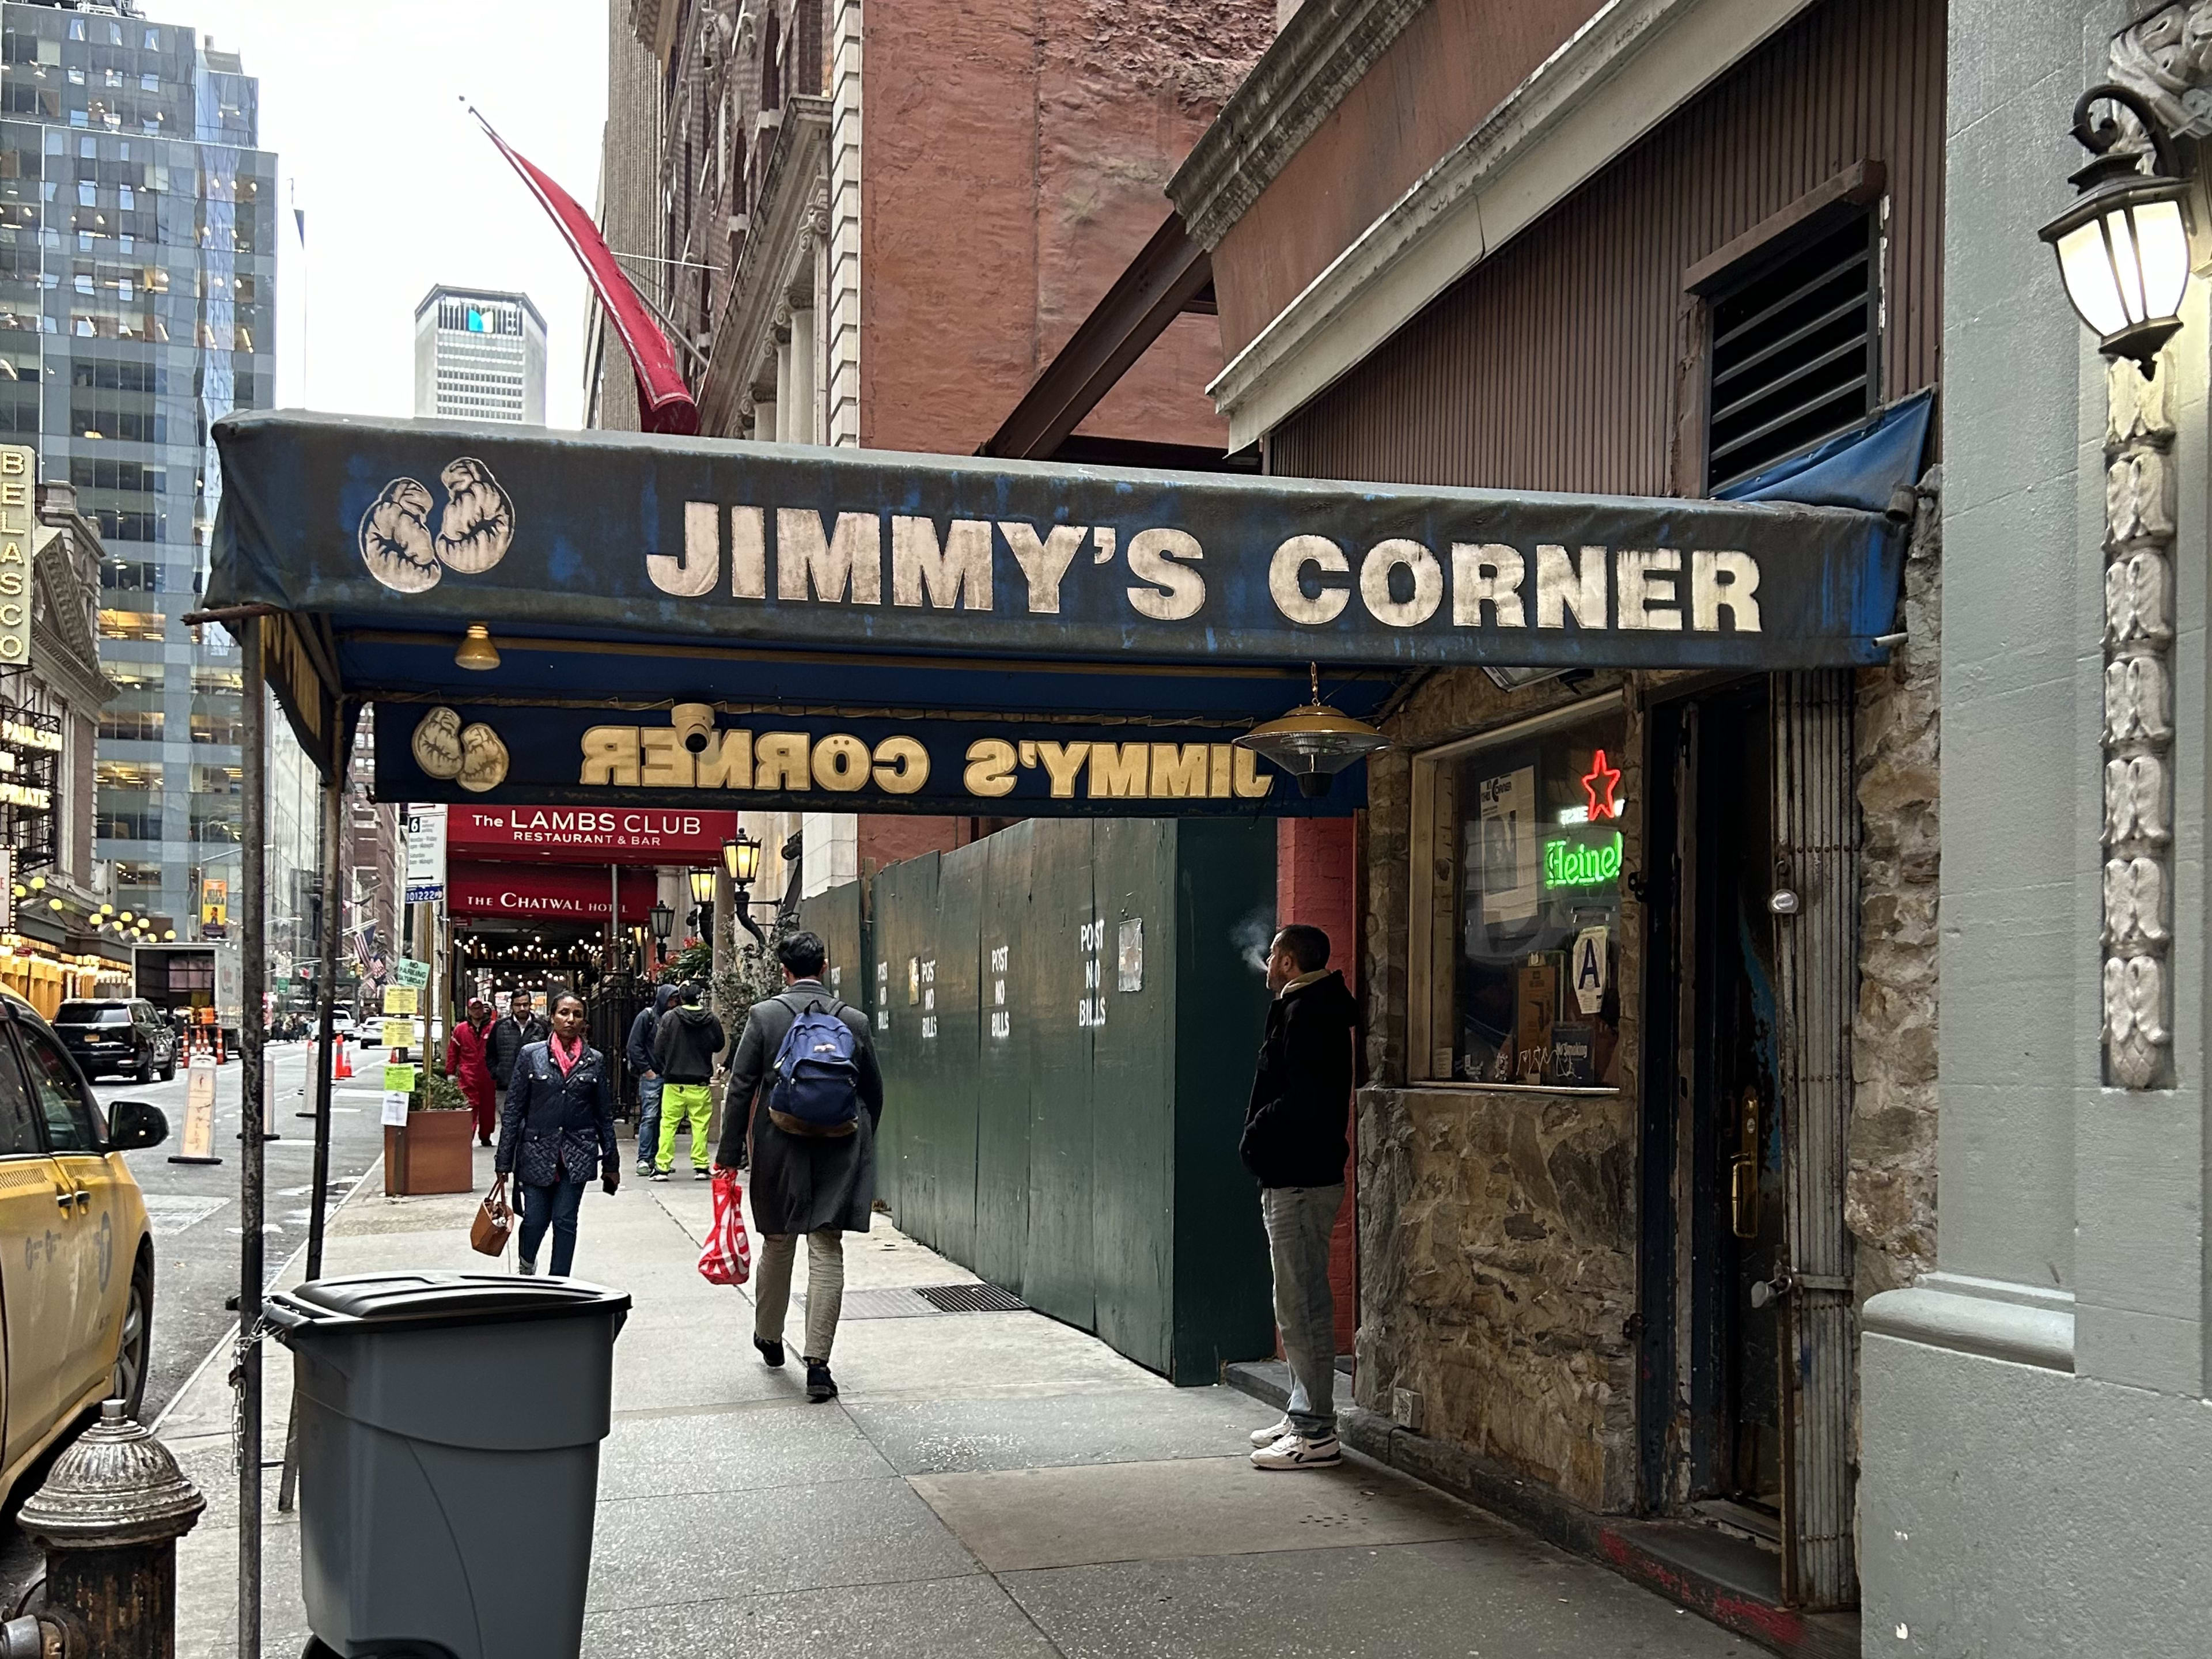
543 892
590 835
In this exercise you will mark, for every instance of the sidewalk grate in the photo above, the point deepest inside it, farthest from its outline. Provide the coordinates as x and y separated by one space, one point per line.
922 1301
970 1299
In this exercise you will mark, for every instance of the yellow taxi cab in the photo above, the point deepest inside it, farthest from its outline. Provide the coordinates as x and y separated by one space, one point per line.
76 1257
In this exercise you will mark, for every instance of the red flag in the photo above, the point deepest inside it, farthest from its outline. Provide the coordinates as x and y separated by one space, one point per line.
664 402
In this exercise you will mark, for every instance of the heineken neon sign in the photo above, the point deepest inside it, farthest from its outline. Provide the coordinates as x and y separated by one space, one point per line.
1582 864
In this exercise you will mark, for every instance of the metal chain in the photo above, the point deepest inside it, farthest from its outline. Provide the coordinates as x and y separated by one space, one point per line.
240 1345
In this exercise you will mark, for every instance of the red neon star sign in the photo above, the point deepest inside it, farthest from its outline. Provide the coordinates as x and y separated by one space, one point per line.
1599 783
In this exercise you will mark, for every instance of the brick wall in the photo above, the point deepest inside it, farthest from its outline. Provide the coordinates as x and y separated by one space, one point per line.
1017 155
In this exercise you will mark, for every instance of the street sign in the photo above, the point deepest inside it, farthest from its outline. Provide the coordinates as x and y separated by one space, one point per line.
411 974
426 854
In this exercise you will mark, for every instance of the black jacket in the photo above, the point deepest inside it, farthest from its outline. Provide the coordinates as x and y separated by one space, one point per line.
508 1039
802 1182
638 1049
685 1042
1294 1126
556 1128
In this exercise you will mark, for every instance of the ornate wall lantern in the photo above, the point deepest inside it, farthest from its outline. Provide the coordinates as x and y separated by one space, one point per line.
2123 244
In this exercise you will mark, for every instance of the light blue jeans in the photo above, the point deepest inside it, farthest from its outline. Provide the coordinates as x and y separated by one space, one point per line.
648 1116
1301 1220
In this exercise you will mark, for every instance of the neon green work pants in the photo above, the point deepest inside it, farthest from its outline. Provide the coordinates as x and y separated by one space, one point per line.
680 1101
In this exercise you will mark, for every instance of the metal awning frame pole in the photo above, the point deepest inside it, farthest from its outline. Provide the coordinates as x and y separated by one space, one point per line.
332 920
253 808
333 805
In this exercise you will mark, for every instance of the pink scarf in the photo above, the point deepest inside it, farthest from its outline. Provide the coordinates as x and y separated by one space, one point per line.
565 1058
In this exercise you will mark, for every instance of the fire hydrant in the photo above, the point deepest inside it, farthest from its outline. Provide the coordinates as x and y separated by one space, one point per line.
108 1518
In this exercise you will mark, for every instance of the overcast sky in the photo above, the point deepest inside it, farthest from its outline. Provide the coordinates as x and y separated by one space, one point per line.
361 103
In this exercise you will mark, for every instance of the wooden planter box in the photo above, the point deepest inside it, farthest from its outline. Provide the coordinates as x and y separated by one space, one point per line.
432 1154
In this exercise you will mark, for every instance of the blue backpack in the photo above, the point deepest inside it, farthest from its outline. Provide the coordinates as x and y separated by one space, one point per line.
817 1089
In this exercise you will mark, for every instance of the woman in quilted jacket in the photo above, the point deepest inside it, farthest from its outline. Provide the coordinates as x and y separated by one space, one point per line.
556 1131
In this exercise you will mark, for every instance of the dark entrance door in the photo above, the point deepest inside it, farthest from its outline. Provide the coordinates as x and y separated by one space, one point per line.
1715 1240
1750 883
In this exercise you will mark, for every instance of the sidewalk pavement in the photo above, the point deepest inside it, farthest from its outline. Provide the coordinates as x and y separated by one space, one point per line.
988 1484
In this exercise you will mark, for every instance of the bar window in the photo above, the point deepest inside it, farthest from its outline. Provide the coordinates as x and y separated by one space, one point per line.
1517 903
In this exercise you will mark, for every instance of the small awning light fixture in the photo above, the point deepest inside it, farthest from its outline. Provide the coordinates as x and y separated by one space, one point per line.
703 887
1312 743
664 920
2123 246
478 652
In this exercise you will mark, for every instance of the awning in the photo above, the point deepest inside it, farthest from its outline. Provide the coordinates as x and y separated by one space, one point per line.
545 892
804 588
629 835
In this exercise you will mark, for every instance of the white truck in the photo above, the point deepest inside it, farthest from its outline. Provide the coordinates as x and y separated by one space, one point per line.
193 985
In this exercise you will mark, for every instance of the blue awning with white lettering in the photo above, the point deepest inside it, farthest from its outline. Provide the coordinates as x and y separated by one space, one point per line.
620 571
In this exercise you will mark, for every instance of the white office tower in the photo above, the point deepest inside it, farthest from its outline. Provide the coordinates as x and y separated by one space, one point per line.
480 356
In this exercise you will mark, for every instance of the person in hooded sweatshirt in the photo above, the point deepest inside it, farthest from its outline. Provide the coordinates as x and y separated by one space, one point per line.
1294 1143
638 1051
685 1041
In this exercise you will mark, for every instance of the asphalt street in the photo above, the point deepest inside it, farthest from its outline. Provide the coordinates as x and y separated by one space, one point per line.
194 1210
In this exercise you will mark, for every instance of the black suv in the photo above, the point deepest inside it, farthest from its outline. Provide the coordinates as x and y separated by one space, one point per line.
117 1034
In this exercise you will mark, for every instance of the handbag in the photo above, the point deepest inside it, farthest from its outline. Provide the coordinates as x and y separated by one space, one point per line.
727 1257
488 1233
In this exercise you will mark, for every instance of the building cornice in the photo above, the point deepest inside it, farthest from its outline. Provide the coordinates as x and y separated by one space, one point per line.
1631 65
789 218
64 645
1300 79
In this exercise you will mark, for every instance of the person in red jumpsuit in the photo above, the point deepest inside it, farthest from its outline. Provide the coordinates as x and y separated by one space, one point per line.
465 1060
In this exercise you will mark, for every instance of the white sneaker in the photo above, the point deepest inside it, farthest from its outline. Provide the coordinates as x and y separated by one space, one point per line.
1271 1433
1295 1451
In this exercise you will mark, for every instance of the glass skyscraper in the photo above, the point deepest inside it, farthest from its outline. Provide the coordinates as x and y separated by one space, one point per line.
139 228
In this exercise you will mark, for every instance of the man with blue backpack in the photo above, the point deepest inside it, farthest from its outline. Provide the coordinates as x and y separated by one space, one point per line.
805 1086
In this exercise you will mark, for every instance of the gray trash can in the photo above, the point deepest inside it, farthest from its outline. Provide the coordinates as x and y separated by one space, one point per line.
449 1429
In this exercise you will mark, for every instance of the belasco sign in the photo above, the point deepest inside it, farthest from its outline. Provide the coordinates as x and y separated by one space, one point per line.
978 766
737 544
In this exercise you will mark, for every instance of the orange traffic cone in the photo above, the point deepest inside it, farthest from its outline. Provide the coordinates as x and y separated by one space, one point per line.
341 1067
221 1058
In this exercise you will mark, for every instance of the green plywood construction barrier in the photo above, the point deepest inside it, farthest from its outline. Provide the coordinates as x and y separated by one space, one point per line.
1067 1044
836 916
1005 1060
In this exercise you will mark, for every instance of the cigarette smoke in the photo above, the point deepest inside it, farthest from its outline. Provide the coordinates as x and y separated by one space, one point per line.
1251 937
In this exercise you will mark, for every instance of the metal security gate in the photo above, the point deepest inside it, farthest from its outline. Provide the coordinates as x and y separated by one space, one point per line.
1816 845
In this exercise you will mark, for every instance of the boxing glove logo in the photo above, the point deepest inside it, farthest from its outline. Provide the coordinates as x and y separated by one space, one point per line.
473 532
472 755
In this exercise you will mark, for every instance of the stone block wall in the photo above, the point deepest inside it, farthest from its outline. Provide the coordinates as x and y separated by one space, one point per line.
1497 1228
1890 1198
